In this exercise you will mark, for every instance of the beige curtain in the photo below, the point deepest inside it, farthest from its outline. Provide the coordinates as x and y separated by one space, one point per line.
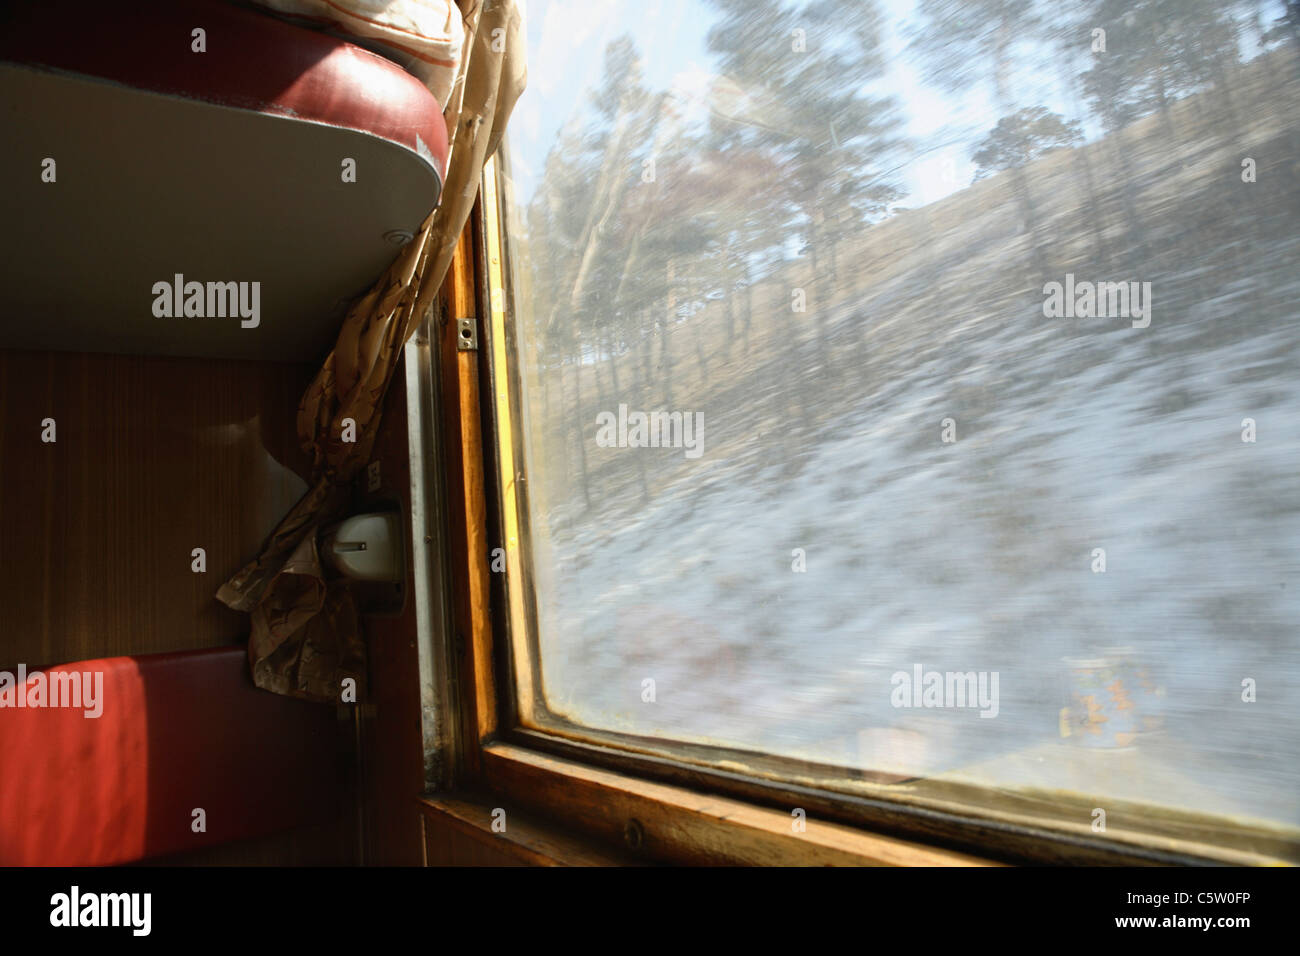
305 638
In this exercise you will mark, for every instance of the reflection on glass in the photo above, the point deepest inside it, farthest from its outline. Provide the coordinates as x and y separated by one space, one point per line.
979 323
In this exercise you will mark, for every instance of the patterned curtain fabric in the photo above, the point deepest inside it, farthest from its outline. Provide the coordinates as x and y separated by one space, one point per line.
305 637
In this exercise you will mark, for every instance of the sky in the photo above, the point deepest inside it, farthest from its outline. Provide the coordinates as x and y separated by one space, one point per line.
566 42
567 38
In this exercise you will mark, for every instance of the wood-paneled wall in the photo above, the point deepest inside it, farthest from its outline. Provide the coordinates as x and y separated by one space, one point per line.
152 458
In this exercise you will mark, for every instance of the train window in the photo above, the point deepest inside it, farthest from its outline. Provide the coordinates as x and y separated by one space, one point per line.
899 397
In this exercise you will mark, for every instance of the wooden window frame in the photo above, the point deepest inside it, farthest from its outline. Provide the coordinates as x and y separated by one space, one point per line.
641 800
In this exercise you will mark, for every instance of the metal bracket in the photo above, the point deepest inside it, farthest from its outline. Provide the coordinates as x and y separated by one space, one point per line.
466 335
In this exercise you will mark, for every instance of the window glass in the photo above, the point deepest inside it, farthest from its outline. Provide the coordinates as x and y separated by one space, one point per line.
912 386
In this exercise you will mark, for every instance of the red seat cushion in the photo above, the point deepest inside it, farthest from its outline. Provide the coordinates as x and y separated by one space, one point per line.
289 162
177 732
252 61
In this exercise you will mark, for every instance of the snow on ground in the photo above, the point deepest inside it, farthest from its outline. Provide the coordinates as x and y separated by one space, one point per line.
976 555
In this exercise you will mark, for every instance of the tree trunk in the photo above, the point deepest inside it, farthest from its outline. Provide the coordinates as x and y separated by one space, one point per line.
579 422
1019 181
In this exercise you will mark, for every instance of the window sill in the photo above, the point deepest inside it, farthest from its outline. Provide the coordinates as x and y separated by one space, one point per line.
660 823
458 830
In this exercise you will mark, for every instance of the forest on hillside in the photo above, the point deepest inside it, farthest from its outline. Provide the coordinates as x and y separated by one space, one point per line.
661 261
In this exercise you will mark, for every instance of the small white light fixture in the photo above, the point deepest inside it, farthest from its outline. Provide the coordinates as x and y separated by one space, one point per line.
398 237
366 547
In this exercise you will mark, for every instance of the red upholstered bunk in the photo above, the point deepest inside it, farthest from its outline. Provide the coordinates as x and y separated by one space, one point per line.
201 139
251 61
175 733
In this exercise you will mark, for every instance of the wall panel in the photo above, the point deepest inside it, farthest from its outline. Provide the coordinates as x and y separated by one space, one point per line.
152 458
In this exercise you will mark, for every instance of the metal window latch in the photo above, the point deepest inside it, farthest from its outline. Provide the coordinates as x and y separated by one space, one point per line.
466 335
